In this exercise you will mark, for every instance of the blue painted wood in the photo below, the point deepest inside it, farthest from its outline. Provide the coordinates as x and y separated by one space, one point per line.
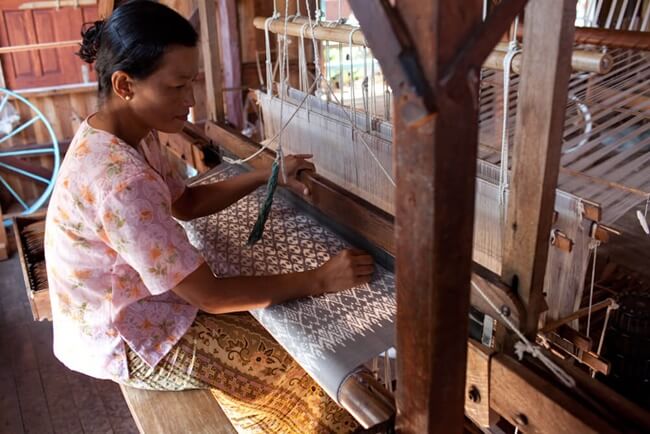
53 148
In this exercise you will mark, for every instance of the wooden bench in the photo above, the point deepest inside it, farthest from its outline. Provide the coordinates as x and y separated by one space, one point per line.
187 412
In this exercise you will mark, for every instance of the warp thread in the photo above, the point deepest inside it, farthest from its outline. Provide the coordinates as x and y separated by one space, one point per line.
258 229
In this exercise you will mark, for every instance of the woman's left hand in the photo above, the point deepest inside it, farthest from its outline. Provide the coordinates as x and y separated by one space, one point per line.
293 165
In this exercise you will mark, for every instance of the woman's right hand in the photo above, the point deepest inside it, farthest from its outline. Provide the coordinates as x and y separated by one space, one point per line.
350 267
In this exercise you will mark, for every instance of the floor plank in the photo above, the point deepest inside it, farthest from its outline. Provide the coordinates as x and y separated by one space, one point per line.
31 395
11 420
54 377
38 394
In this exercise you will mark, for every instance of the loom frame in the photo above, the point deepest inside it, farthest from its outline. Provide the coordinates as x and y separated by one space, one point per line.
426 407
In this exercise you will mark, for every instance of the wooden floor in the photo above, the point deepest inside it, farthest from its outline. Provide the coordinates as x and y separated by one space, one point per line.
38 394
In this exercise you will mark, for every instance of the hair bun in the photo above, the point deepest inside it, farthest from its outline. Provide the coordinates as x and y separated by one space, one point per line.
91 36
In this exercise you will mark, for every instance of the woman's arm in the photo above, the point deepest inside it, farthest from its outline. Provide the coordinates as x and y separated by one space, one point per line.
235 294
203 200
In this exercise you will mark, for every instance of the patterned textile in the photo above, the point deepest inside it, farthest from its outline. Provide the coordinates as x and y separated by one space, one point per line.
330 335
113 252
258 385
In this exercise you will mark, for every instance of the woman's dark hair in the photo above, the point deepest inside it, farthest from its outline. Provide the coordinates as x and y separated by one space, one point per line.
133 39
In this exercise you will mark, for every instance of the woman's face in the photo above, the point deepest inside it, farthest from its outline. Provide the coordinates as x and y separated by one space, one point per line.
162 100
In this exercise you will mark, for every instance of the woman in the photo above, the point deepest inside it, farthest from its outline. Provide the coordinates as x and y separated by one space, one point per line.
132 300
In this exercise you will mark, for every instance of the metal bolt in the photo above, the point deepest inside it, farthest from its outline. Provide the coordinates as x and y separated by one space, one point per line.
521 420
474 395
505 310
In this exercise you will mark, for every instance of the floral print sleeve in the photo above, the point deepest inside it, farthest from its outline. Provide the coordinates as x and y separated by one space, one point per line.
136 222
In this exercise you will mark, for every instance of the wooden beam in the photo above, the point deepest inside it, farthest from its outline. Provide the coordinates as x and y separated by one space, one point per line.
578 314
47 4
546 66
477 385
42 46
229 37
211 60
582 60
482 38
3 84
435 166
4 244
105 8
398 58
535 405
187 411
506 301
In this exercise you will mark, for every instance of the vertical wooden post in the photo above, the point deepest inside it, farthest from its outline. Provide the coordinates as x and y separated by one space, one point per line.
4 245
211 60
229 37
435 167
546 66
105 8
2 76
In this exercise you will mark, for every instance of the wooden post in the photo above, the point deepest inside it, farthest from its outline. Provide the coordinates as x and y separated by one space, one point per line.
3 84
431 53
211 60
105 8
4 245
546 66
229 37
435 164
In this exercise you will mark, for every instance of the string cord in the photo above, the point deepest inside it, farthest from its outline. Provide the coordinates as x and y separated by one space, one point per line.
592 245
513 50
525 346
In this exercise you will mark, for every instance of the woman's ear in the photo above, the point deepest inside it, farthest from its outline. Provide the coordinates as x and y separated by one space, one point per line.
122 85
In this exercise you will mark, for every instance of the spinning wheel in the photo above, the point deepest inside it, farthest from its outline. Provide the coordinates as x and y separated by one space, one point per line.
21 161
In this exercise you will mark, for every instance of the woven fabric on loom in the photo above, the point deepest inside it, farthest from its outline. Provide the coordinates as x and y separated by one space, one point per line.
330 335
323 129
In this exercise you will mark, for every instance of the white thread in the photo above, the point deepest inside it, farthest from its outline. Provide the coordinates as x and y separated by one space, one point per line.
284 70
269 65
513 50
331 91
364 88
388 377
583 109
302 60
272 139
593 244
525 346
354 101
372 154
643 217
581 209
313 40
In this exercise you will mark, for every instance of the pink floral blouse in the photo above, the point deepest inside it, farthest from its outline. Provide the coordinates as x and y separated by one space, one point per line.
113 254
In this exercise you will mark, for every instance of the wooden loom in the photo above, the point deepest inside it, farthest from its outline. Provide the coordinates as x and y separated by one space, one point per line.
433 292
497 370
377 227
